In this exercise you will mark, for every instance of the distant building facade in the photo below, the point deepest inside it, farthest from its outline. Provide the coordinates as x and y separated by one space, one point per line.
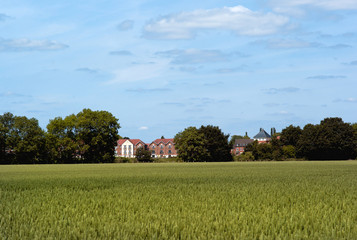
163 148
127 147
240 145
159 148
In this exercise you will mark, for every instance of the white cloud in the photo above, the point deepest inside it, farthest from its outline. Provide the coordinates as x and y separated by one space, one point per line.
21 45
138 72
143 128
238 19
284 5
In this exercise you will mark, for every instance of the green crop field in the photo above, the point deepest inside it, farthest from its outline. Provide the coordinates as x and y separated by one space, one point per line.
260 200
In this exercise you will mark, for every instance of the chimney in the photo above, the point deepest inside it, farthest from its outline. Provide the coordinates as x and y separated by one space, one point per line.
272 131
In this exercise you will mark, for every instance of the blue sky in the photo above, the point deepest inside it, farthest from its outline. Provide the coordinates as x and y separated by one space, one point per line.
161 66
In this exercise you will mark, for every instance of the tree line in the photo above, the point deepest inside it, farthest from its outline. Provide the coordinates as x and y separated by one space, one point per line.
86 137
332 139
91 137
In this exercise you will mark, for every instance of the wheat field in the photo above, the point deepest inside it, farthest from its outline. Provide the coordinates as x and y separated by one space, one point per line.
258 200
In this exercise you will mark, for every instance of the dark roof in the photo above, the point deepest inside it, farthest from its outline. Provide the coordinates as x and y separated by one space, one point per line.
262 134
242 142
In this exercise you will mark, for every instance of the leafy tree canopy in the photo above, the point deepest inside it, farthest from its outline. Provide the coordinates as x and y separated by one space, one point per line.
216 144
190 145
143 155
290 135
206 144
331 139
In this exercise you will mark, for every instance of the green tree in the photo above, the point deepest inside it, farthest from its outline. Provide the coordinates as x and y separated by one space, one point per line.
289 151
332 139
90 136
290 135
143 155
216 144
61 140
27 141
97 135
190 145
6 126
2 143
306 146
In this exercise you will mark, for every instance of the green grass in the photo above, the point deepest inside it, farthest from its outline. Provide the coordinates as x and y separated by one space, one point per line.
259 200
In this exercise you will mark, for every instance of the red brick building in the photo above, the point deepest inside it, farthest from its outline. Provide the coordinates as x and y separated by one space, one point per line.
240 145
127 147
159 148
163 148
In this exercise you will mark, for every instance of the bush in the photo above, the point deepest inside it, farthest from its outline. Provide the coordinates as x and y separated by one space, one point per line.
244 157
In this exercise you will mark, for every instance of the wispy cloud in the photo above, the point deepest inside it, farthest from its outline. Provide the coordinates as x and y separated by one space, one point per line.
22 45
3 17
121 53
282 113
87 70
231 70
347 100
324 77
148 90
125 25
287 43
340 46
14 95
139 72
195 56
281 90
323 4
175 104
353 63
143 128
238 19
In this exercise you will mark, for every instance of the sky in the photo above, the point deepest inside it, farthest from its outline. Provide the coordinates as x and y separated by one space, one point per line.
162 66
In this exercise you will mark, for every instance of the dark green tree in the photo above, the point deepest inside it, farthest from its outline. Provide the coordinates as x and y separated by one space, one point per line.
61 140
90 137
332 139
190 145
97 135
2 143
216 144
27 141
6 126
143 155
306 146
290 135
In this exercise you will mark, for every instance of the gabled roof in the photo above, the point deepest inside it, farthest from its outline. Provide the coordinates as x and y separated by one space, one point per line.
121 141
242 142
165 141
133 141
136 141
262 134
